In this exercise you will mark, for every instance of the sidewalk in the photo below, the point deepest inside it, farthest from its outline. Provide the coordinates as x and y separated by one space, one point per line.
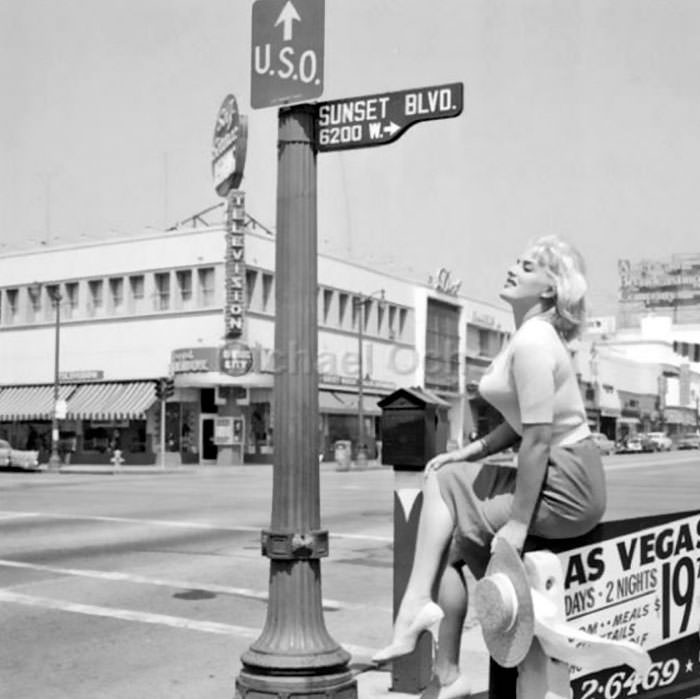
474 660
194 468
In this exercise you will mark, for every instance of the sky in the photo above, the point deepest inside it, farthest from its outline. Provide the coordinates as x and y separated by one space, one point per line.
580 118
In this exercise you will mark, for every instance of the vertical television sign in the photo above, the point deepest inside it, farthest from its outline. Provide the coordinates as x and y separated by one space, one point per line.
235 266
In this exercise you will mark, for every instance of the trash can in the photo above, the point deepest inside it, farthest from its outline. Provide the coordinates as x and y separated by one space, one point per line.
342 454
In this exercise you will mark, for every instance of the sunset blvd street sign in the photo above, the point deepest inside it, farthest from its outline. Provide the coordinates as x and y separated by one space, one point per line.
373 120
287 52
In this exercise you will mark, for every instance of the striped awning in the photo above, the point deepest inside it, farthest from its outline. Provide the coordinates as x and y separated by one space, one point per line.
112 401
30 402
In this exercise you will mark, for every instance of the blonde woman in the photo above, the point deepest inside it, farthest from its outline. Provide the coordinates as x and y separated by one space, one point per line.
557 487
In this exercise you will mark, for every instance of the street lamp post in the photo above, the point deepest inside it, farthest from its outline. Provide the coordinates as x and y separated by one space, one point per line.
55 296
55 459
359 303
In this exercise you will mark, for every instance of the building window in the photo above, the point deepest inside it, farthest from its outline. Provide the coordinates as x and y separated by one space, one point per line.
137 292
484 342
327 301
11 307
96 298
442 346
52 291
71 304
342 308
116 293
162 282
206 286
392 322
403 314
380 317
355 311
183 277
34 306
267 289
251 278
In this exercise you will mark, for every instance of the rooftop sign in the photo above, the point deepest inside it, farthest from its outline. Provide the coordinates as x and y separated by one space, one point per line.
373 120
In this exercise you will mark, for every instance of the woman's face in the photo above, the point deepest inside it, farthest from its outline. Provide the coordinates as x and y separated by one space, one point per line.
526 281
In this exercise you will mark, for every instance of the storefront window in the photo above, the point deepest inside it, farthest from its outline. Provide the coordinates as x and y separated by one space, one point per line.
103 437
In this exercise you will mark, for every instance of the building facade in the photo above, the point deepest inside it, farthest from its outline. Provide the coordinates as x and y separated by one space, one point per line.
198 305
641 379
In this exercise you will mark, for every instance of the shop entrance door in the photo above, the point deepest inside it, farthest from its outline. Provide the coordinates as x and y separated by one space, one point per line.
207 448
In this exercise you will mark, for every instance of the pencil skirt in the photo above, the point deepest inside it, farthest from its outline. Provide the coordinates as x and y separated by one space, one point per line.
480 495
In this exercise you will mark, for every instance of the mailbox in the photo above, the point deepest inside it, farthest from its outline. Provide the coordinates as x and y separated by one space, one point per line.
414 428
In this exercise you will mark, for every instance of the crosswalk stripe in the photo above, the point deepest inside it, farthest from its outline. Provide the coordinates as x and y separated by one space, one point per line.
328 604
148 618
176 523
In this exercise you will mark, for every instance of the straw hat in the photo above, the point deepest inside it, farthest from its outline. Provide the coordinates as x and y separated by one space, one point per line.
504 606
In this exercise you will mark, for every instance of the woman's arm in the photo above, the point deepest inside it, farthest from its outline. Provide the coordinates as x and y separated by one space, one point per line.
532 469
500 438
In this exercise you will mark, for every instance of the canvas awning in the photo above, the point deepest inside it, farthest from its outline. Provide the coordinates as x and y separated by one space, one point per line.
112 401
30 402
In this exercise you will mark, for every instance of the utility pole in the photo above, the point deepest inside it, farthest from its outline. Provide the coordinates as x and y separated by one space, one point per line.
359 304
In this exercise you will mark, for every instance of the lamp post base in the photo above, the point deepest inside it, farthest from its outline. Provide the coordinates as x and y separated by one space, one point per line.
252 685
54 462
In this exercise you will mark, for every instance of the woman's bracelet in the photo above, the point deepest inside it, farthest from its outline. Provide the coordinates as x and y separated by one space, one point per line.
484 446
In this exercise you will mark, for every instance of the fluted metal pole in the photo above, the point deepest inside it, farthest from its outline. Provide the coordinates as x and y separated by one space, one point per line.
295 653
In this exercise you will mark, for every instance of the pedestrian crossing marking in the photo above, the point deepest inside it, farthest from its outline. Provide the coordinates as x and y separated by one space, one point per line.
150 618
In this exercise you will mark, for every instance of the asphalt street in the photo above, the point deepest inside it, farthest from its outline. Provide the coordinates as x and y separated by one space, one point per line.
152 585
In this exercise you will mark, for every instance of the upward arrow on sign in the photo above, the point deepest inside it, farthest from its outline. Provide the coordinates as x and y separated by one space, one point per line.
287 16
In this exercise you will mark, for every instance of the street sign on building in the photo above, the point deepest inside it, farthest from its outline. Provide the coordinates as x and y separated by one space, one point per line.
236 359
373 120
229 147
287 52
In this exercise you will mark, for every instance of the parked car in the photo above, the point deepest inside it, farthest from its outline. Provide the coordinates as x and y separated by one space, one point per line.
689 441
660 441
630 445
17 458
605 445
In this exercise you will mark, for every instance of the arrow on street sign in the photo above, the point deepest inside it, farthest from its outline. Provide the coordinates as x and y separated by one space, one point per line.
287 16
373 120
286 52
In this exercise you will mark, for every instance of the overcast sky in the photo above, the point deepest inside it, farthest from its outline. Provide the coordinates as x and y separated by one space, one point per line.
580 118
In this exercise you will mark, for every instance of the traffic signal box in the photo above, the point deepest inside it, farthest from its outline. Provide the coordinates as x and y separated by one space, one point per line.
414 429
165 387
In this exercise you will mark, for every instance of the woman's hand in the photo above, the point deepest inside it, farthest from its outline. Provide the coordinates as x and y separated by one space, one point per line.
437 462
514 533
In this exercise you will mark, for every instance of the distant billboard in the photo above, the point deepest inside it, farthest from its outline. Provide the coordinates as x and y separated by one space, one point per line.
670 285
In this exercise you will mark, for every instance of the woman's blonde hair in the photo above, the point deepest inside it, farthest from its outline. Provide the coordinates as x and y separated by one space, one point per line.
564 265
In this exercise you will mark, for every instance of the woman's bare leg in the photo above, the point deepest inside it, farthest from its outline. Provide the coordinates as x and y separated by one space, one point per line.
435 528
417 611
453 599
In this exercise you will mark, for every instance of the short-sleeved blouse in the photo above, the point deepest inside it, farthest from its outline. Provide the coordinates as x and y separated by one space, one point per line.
533 381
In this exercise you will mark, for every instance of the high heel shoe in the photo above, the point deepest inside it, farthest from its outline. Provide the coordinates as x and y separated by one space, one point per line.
427 619
461 687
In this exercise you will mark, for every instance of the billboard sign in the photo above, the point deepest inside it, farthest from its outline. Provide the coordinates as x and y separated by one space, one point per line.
639 581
